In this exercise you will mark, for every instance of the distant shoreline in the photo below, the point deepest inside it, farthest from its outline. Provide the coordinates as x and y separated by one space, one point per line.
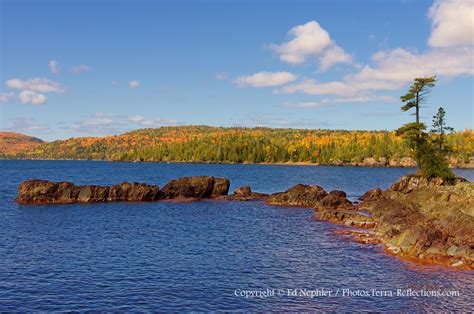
298 163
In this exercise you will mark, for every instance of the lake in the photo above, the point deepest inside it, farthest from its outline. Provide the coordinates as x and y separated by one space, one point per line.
204 255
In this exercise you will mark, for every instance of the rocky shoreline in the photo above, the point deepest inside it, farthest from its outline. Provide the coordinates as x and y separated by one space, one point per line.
425 220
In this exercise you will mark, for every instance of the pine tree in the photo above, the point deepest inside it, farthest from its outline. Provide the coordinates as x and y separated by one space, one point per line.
417 93
440 128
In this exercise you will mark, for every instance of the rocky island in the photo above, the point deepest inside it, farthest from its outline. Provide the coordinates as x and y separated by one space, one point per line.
426 220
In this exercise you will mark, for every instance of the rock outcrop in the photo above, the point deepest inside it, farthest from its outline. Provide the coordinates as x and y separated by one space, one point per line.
408 183
335 200
345 217
47 192
430 220
300 195
244 193
196 187
372 194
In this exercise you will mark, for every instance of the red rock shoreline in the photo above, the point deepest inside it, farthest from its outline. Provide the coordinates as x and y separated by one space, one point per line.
426 220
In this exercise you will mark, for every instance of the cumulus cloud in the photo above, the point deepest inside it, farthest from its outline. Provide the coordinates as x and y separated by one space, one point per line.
6 97
311 42
134 84
33 90
453 23
54 67
31 97
391 71
37 84
450 55
265 79
78 69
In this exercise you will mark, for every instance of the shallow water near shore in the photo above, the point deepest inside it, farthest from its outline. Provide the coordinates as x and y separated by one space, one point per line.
202 255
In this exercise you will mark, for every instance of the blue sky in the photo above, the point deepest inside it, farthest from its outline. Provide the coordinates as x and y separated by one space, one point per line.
93 68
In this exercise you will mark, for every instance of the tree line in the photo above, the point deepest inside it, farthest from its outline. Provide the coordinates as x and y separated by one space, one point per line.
246 145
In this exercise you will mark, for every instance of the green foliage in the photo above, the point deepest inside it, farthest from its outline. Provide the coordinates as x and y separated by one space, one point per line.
431 162
417 94
428 152
439 129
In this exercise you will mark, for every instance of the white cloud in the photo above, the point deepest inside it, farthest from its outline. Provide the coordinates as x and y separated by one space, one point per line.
32 97
158 122
25 125
311 41
37 84
340 100
333 55
265 79
135 118
97 122
103 114
114 83
134 84
54 67
6 97
453 23
450 55
141 120
78 69
392 70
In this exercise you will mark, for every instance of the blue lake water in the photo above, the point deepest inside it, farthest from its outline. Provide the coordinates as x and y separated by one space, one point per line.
202 255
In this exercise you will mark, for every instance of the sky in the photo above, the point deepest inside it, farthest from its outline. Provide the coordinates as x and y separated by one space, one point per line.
95 68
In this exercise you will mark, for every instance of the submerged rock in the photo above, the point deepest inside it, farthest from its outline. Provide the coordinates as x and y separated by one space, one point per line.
47 192
299 195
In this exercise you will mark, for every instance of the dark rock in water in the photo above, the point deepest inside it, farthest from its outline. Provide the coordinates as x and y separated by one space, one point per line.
338 193
243 191
134 192
221 187
335 200
299 195
47 192
198 187
372 194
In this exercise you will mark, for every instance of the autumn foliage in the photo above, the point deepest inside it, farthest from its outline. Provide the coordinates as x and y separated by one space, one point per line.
13 143
243 145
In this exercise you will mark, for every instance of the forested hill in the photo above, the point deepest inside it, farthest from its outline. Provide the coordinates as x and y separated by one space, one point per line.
14 143
249 145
